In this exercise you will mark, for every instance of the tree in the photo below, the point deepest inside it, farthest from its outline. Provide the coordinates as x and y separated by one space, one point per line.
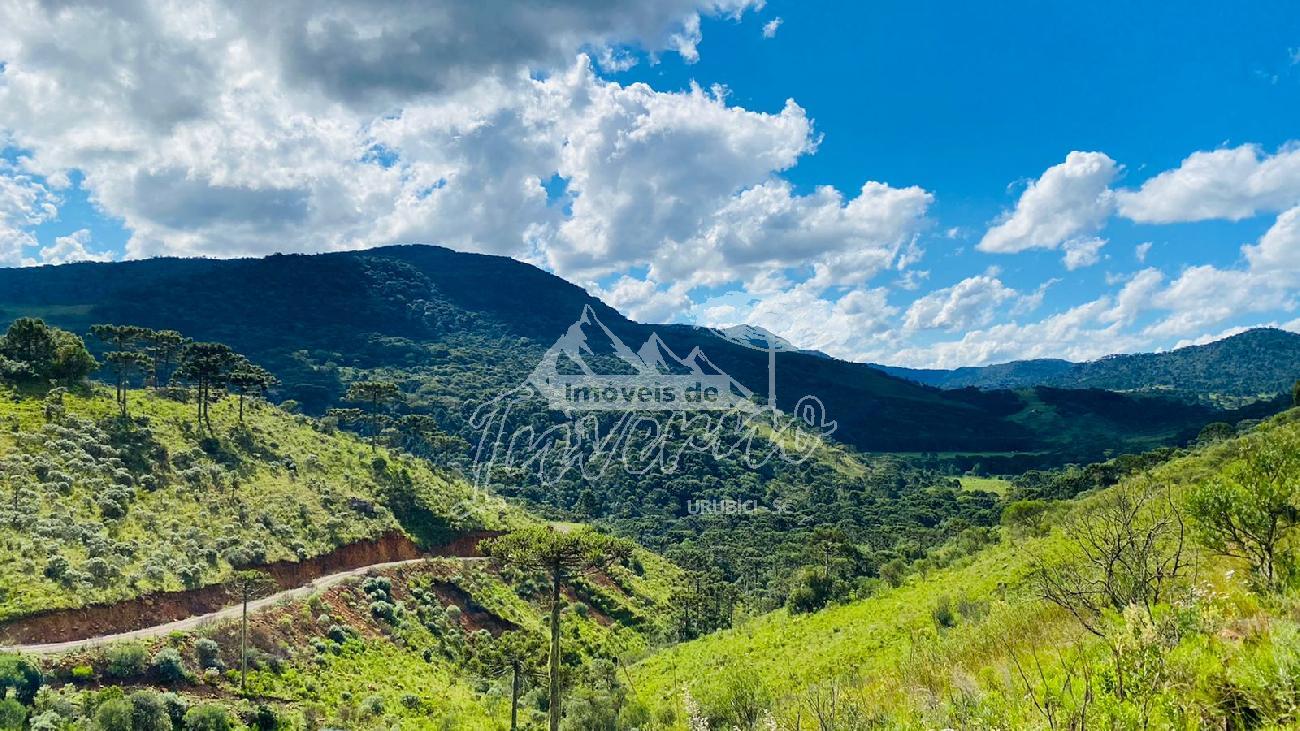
248 582
1295 394
375 395
206 366
164 348
32 352
250 380
124 358
515 654
1126 548
1251 510
560 554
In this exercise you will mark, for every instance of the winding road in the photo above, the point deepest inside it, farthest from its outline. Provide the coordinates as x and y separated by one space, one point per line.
231 612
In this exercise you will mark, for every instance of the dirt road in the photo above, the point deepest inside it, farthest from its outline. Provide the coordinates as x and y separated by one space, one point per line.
231 612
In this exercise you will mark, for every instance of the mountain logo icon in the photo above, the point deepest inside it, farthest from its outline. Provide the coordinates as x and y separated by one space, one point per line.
590 368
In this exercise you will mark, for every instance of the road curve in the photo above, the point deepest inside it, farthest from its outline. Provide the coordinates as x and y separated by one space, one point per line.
231 612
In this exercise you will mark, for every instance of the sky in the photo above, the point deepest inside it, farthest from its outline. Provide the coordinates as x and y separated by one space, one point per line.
931 184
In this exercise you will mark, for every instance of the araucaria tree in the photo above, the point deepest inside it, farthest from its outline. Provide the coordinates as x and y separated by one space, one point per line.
246 379
376 396
561 555
1251 511
123 358
207 366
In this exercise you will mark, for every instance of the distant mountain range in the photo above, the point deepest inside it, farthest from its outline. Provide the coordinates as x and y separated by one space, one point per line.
454 328
1255 364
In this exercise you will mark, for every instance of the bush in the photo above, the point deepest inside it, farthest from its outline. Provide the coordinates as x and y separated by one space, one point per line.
372 705
265 719
21 676
209 654
127 661
113 715
942 613
207 718
1029 516
148 712
168 666
812 591
83 674
13 715
47 721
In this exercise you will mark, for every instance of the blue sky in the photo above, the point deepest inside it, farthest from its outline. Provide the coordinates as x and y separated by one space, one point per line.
676 201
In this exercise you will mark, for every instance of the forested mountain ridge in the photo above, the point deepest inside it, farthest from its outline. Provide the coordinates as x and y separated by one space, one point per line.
1251 365
454 328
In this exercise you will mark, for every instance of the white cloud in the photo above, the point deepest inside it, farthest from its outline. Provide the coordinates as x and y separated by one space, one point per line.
1069 200
24 202
1141 250
770 27
1083 252
1230 183
1278 250
972 302
808 320
70 248
643 299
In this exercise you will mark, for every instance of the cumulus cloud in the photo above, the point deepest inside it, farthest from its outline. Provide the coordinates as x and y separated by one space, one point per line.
771 26
841 327
972 302
1083 252
1229 183
393 50
24 202
70 248
1069 200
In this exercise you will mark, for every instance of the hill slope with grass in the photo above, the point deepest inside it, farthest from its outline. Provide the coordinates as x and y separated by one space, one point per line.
968 637
98 509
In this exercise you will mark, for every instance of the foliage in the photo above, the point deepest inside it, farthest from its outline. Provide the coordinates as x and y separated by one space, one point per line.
1251 509
32 352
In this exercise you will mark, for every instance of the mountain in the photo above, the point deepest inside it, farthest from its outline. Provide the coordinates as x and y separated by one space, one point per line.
1016 374
453 328
1255 364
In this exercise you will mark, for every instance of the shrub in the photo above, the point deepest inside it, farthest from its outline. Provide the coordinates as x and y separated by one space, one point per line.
372 705
812 591
1029 516
127 660
83 674
47 721
209 654
264 719
113 715
942 613
21 676
148 712
13 715
168 666
207 718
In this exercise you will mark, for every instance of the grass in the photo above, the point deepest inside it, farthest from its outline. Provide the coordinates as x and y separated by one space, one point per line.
995 485
163 505
892 651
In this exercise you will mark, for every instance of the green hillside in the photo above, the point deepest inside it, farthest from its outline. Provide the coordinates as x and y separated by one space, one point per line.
99 509
967 640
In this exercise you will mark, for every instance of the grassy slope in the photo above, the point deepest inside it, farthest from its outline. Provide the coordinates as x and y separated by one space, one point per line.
886 647
276 487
